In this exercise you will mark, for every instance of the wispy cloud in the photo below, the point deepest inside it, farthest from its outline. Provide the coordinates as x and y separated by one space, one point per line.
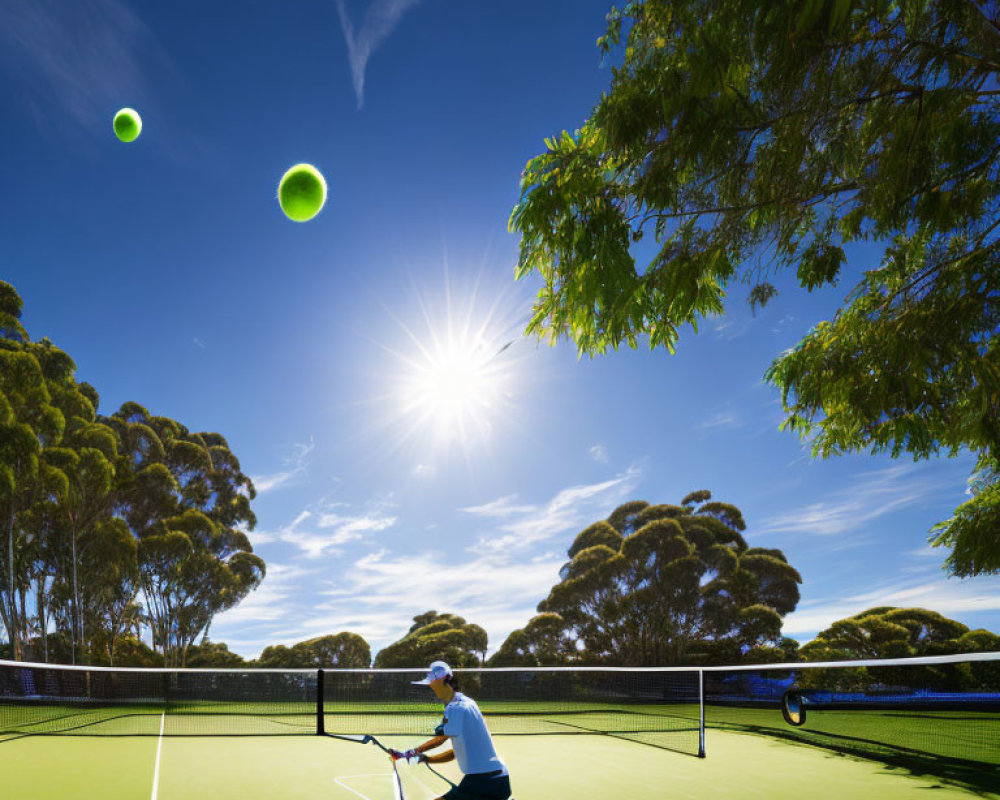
875 494
494 576
322 533
501 507
497 582
598 453
950 597
782 323
380 20
296 466
87 56
927 551
426 471
268 603
724 419
731 327
380 594
569 510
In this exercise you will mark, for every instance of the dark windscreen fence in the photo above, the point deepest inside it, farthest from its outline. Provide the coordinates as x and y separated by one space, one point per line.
46 699
938 716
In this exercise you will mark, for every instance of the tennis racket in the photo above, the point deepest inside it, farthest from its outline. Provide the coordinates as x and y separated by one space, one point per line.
793 709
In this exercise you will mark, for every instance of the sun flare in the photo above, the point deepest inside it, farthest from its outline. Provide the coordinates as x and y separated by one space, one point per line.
455 377
455 386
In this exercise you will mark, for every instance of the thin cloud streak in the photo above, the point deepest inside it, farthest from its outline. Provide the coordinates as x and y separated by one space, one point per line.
345 528
570 510
501 507
729 328
725 419
380 20
298 467
267 604
875 495
599 453
86 55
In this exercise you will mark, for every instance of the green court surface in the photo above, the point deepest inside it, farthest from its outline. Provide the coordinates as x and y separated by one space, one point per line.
550 767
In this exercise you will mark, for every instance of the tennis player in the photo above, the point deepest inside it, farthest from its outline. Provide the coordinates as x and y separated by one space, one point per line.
485 776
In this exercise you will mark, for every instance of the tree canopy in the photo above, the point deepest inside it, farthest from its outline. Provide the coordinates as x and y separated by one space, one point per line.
433 637
111 525
751 139
543 642
889 632
213 655
656 585
344 650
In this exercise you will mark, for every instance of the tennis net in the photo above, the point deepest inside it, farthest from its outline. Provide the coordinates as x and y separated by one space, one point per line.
656 706
937 715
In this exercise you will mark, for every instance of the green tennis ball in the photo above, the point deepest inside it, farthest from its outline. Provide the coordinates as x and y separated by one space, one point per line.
128 124
302 192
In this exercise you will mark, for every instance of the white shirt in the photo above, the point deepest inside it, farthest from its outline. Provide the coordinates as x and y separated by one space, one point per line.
471 741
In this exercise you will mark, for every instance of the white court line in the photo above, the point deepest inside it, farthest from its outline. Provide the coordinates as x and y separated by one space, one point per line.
343 785
159 749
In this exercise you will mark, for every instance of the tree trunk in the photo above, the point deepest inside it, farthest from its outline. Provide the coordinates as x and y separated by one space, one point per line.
23 622
12 625
43 622
76 607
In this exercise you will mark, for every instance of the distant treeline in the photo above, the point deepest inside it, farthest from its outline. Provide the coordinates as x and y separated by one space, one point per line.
883 632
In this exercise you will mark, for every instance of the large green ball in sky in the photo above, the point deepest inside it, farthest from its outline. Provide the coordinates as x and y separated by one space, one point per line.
128 124
302 192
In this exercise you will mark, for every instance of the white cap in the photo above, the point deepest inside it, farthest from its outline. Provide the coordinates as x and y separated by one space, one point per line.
437 671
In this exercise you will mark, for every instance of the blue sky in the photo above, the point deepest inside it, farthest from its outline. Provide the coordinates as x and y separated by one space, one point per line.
167 271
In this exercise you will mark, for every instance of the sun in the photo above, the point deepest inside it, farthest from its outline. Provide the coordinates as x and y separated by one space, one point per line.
455 386
455 373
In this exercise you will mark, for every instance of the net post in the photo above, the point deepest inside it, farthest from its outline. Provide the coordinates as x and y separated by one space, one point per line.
701 713
320 721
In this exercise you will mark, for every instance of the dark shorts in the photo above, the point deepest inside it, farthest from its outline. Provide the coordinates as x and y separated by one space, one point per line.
481 786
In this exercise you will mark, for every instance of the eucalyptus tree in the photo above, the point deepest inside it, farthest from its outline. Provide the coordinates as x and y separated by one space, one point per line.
18 446
187 502
434 636
100 514
42 556
89 465
110 605
22 392
667 584
343 650
85 457
30 425
543 642
208 654
890 632
754 138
